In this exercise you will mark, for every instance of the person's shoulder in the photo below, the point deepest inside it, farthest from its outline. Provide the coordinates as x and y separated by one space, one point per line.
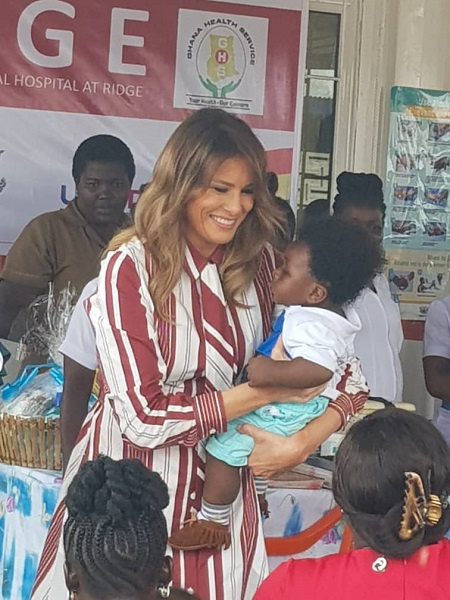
133 247
53 216
129 254
435 553
44 221
441 305
284 205
316 571
444 548
37 235
381 283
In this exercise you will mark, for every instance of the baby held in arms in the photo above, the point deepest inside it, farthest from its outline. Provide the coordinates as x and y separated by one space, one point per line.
321 275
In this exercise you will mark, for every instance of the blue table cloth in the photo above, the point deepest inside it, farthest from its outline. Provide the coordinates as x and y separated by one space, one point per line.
27 501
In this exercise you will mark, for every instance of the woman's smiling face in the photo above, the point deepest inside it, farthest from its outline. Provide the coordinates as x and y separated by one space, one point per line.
213 216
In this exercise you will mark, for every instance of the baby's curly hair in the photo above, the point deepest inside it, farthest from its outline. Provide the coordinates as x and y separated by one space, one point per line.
115 536
342 257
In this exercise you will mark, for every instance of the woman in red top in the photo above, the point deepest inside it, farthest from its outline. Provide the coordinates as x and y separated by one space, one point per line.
392 480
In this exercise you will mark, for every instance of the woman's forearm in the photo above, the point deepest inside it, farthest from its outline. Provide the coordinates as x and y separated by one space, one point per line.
243 399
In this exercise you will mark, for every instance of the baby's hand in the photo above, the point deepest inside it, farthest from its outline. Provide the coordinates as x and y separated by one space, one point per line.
257 371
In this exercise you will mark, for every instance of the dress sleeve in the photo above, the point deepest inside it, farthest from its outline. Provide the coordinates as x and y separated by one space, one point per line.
353 392
436 341
133 367
29 261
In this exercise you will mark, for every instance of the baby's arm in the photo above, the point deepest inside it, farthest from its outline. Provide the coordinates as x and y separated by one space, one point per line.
314 348
296 373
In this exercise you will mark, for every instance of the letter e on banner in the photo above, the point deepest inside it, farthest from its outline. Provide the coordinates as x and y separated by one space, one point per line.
64 38
118 40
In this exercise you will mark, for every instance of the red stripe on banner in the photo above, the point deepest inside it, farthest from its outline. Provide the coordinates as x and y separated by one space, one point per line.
413 330
129 67
280 161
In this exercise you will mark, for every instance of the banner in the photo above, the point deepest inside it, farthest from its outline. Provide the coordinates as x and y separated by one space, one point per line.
135 69
417 225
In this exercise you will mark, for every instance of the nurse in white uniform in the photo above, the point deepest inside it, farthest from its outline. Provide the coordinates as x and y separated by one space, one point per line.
378 343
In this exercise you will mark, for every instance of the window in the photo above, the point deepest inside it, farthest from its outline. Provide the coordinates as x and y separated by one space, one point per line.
319 107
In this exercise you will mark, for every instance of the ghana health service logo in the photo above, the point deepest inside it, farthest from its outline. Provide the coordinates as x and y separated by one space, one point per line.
221 61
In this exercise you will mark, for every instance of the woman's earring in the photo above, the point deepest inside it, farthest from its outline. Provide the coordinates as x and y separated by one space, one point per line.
164 590
72 595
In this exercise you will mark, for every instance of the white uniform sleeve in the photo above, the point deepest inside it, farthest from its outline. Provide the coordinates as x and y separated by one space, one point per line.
79 343
316 342
436 341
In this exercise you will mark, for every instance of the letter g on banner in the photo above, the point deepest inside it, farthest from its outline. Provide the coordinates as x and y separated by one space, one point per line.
64 38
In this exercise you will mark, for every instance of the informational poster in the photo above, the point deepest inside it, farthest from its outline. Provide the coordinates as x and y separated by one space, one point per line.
135 69
417 225
417 278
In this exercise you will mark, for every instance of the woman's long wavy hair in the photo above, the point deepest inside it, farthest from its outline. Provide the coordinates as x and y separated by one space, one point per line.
186 166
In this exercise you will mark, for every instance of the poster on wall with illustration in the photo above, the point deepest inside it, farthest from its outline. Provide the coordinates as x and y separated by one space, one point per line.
417 224
135 69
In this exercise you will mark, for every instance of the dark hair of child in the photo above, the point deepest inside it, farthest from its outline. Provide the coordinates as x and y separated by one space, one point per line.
369 478
342 257
115 536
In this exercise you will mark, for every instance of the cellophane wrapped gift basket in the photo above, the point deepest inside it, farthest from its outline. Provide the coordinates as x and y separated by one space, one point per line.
30 433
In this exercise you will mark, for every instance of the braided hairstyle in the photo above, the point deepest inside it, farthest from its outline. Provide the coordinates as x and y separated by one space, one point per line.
359 189
369 478
115 536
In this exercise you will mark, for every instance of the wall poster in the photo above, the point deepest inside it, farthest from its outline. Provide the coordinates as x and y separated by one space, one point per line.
417 225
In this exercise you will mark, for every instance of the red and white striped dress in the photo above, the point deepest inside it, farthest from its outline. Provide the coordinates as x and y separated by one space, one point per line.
161 398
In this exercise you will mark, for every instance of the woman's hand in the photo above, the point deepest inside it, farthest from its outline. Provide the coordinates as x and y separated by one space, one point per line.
274 454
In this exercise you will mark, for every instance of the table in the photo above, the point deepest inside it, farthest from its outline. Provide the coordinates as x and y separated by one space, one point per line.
292 510
27 501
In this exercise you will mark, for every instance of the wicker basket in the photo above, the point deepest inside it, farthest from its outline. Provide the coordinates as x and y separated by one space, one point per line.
30 442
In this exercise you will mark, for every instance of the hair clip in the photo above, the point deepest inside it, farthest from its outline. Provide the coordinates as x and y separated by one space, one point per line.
418 510
164 590
413 507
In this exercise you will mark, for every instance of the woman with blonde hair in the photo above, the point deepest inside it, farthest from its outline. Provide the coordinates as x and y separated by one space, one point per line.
183 300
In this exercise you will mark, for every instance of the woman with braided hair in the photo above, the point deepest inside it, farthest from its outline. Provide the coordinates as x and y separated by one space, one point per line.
392 481
115 536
